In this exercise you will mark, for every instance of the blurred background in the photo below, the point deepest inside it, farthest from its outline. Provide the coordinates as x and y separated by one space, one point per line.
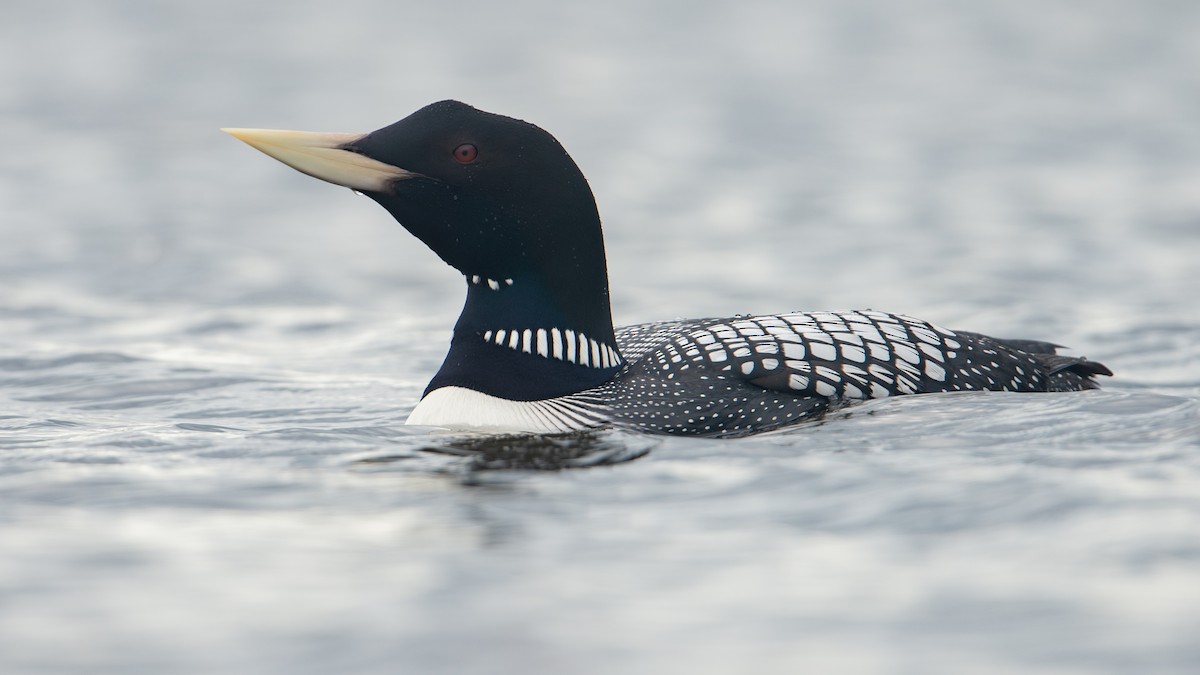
196 343
831 154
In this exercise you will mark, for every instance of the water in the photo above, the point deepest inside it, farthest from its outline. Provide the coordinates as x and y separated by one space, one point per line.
206 359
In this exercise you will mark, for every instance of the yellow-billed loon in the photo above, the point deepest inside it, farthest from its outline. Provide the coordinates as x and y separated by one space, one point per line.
534 349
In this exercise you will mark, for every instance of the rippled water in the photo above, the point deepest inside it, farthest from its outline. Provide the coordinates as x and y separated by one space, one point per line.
206 360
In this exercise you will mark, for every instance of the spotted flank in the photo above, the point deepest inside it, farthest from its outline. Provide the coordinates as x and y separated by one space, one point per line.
534 349
729 377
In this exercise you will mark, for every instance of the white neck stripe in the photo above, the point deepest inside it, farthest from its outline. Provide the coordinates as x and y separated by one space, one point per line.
476 280
550 342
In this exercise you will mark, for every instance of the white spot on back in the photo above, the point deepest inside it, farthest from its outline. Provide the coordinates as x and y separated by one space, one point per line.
907 353
931 351
794 350
825 352
935 372
925 335
802 366
853 353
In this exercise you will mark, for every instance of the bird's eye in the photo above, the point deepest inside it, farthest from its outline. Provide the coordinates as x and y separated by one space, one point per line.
466 153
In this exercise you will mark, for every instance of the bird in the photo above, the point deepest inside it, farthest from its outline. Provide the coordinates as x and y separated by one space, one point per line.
534 350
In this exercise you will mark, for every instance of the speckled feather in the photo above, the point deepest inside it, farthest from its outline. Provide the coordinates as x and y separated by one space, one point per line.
748 374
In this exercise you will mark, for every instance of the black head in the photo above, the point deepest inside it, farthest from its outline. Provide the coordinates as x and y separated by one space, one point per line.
498 199
492 195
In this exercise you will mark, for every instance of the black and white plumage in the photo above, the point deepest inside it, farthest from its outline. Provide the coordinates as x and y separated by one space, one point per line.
535 350
755 373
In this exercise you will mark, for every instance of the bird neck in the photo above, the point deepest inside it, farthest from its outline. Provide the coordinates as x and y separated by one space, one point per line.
537 335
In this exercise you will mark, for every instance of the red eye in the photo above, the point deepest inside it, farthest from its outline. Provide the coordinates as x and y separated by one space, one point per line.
466 153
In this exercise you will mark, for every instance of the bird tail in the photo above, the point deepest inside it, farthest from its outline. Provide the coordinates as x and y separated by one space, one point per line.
1066 373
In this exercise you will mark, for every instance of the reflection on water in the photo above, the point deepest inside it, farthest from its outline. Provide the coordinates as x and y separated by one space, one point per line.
534 452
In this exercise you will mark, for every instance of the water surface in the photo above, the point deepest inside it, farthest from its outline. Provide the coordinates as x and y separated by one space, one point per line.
206 360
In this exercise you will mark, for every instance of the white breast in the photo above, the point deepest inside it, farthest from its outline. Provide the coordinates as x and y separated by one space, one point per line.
467 409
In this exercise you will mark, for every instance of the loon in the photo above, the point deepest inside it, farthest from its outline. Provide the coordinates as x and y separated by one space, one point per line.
535 351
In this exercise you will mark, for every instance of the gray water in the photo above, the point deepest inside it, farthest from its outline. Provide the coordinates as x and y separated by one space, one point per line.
206 359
